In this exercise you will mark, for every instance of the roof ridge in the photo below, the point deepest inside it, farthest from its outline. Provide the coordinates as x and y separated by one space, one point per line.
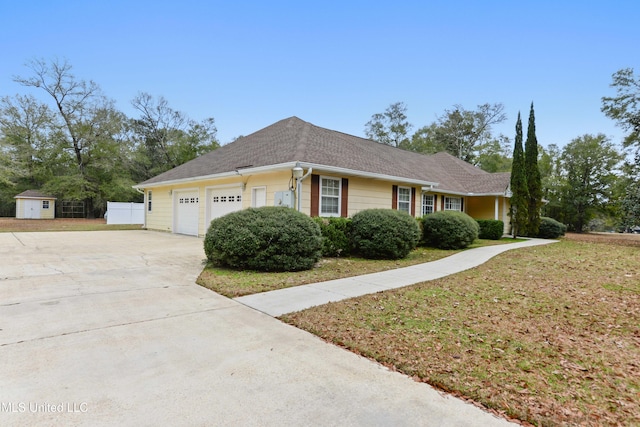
303 140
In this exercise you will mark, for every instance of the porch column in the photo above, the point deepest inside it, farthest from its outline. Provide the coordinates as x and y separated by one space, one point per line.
497 208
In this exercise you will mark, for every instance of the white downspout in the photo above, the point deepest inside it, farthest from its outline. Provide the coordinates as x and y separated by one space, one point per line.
299 188
144 205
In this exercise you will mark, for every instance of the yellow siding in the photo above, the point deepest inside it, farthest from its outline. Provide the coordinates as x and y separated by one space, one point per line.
273 181
363 194
48 213
161 216
481 207
485 208
19 208
368 194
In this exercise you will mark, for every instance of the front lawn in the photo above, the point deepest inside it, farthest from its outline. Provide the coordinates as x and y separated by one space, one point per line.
549 334
234 283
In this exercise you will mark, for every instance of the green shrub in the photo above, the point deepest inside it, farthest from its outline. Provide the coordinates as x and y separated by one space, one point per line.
491 229
449 230
265 239
550 228
384 233
336 236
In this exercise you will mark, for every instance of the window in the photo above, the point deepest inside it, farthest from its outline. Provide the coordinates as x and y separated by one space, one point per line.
329 197
149 201
45 204
404 199
427 204
452 204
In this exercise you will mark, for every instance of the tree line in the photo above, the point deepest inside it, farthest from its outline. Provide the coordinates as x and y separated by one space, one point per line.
466 134
73 143
76 145
589 184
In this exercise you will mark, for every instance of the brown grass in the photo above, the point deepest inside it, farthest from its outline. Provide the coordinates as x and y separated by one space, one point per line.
548 335
60 224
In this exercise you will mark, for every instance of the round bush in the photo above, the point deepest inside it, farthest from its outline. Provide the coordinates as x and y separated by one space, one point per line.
336 236
550 228
449 230
265 239
491 229
384 233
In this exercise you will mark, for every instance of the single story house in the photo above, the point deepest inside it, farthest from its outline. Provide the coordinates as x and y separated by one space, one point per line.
320 172
32 204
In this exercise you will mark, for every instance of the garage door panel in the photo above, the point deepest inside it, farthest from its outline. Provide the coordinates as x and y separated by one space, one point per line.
187 213
225 201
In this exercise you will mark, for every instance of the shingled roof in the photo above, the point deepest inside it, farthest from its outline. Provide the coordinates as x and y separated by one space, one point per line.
33 194
293 140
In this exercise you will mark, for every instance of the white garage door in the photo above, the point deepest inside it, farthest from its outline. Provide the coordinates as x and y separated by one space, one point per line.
224 201
186 213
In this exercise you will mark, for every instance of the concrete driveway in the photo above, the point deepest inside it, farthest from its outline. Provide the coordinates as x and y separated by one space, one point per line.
109 328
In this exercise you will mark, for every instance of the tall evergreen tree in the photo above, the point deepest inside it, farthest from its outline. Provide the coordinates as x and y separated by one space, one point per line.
534 182
519 190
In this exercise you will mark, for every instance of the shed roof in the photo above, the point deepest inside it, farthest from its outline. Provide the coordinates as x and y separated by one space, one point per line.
33 194
294 140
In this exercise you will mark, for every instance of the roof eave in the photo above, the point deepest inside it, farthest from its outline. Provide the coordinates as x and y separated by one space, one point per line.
472 194
288 166
372 175
36 197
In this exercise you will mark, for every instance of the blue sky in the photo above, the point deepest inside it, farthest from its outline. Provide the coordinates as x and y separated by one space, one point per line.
249 64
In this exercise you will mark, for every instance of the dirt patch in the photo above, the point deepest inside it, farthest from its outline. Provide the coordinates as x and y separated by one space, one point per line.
60 224
623 239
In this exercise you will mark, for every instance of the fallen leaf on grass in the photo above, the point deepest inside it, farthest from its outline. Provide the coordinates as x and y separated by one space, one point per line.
570 365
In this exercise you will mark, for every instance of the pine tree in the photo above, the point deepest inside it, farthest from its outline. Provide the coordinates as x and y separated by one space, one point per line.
532 172
519 190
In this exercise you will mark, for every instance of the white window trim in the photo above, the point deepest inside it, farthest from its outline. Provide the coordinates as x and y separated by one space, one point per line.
149 201
423 205
47 204
323 214
398 201
447 203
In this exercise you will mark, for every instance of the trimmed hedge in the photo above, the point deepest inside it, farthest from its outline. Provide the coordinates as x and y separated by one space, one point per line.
550 228
491 229
449 230
336 236
384 233
264 239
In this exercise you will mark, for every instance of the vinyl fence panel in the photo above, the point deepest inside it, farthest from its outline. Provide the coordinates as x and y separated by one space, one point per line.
125 213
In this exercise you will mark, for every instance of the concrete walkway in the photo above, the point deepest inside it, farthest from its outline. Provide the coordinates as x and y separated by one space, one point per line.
289 300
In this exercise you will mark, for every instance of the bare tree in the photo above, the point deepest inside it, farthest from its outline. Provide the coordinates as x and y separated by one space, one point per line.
390 127
462 131
166 138
87 118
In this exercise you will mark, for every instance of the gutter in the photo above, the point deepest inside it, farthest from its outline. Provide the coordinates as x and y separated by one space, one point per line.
288 166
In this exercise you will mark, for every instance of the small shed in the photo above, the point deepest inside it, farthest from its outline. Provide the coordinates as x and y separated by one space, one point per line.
32 204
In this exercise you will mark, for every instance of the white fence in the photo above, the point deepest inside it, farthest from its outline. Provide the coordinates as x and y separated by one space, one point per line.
125 213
